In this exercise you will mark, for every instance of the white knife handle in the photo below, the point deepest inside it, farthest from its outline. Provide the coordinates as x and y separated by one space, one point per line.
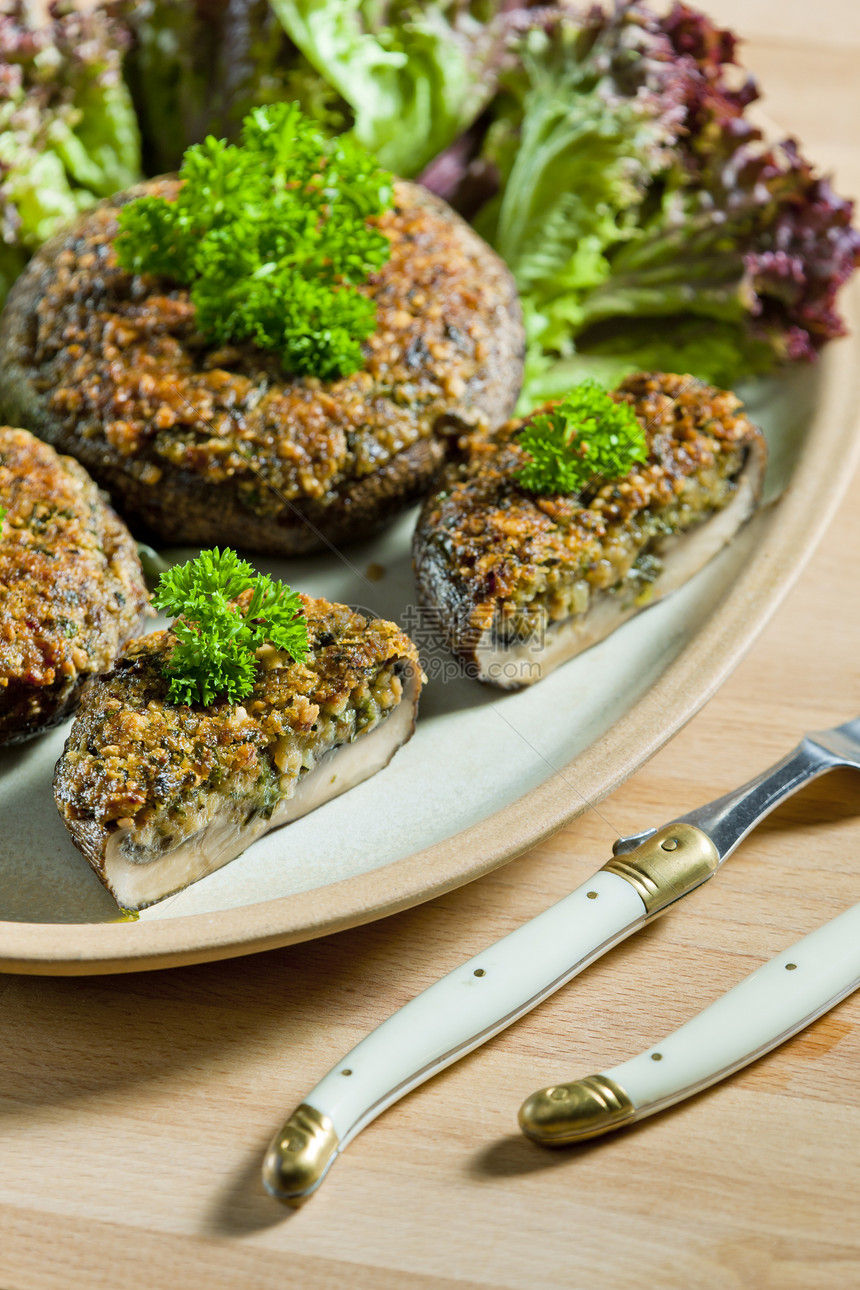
447 1020
768 1007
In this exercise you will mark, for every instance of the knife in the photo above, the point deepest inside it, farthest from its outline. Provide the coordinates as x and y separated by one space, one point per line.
768 1007
648 872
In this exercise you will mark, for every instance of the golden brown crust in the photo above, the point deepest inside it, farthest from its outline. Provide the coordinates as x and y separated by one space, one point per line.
110 367
484 544
71 586
131 754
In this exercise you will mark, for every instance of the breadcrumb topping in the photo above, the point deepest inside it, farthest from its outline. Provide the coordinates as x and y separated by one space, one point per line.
121 364
71 586
486 550
134 759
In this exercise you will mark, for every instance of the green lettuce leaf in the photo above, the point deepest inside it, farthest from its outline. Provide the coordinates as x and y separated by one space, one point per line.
575 152
720 353
413 74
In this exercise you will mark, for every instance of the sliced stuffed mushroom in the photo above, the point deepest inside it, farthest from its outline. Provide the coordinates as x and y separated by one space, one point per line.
157 794
519 582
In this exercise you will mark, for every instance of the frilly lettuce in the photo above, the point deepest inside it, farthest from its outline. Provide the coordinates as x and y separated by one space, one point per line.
68 134
607 155
647 222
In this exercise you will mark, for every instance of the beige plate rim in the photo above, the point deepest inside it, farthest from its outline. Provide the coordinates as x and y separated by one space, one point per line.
792 531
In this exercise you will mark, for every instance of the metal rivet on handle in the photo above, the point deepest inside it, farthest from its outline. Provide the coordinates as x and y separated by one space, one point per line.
671 844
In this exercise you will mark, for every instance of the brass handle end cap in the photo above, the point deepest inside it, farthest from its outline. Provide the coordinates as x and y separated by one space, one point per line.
299 1156
573 1112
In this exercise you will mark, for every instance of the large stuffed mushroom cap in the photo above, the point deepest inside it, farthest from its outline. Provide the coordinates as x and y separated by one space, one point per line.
205 444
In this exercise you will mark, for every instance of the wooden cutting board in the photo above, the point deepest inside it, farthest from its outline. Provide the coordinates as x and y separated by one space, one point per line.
134 1110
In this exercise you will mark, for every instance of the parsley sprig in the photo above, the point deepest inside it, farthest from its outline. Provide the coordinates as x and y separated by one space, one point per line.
585 439
271 236
216 638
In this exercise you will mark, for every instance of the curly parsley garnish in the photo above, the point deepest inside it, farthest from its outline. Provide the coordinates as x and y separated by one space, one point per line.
272 238
2 517
585 438
217 638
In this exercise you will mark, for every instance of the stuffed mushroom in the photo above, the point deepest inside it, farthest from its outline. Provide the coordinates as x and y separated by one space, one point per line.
518 583
157 794
204 442
72 590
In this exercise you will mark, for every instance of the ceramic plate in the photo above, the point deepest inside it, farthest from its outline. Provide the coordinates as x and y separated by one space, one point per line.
487 774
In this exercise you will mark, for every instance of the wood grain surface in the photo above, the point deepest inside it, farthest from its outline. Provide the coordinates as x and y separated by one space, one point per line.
134 1110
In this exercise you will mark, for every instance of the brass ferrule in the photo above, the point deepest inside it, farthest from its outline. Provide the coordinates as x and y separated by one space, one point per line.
573 1112
299 1156
676 859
